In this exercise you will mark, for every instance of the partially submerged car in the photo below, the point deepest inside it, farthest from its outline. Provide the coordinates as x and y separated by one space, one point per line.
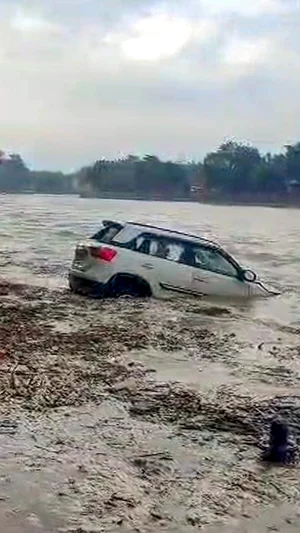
143 260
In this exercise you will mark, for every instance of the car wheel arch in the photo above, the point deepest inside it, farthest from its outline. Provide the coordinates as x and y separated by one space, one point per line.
146 289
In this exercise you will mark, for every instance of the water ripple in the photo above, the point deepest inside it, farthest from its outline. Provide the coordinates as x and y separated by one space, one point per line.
38 235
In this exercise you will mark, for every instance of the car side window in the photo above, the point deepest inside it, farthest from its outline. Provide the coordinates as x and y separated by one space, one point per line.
167 249
214 261
153 247
142 244
146 244
174 251
160 247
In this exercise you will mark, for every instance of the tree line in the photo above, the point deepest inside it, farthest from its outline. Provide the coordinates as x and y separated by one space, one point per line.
235 171
16 177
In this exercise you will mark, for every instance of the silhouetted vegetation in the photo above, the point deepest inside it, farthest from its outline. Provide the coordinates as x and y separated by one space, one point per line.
234 172
16 177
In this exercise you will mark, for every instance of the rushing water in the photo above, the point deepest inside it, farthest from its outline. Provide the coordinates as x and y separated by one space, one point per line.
38 235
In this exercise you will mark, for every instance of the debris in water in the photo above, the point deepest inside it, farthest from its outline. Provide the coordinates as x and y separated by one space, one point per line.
280 450
113 444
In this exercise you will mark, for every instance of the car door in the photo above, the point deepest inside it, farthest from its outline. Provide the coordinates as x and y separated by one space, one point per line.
215 274
161 263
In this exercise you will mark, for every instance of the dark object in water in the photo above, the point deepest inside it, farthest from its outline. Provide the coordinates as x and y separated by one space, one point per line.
280 449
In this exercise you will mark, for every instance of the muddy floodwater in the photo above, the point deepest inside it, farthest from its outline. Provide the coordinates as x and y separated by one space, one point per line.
137 415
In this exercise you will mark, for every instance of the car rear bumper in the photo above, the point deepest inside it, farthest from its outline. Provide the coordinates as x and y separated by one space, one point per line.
84 286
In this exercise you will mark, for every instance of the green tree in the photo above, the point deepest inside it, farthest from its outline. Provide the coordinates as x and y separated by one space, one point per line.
270 176
292 157
14 174
230 169
46 182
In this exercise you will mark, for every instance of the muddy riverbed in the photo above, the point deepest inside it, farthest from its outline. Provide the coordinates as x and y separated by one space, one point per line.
141 416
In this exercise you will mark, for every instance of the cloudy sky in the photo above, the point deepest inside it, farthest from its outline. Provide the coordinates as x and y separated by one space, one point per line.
83 79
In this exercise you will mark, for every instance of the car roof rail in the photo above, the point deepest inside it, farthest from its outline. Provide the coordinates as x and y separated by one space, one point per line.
176 232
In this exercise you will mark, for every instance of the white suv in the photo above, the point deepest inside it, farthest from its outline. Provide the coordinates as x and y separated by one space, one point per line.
143 260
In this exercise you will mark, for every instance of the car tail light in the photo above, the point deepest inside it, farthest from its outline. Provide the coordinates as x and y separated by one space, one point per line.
103 253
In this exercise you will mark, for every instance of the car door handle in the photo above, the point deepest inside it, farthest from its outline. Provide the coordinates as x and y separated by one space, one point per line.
196 278
149 266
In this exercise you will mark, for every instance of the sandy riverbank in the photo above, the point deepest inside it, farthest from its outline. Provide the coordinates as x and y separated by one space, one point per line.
138 416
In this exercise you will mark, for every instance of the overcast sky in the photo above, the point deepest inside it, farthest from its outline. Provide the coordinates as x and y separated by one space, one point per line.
84 79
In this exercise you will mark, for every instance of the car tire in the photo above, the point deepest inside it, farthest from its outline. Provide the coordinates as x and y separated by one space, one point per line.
128 286
73 284
83 287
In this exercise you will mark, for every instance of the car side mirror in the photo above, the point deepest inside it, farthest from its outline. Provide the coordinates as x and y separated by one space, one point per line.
249 275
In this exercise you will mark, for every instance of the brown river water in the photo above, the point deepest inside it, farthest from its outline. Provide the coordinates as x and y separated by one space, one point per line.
38 234
37 238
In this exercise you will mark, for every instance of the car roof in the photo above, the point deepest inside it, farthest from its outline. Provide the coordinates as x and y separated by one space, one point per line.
158 230
174 233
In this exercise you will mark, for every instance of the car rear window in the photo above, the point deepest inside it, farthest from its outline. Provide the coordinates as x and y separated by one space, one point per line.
126 235
107 233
